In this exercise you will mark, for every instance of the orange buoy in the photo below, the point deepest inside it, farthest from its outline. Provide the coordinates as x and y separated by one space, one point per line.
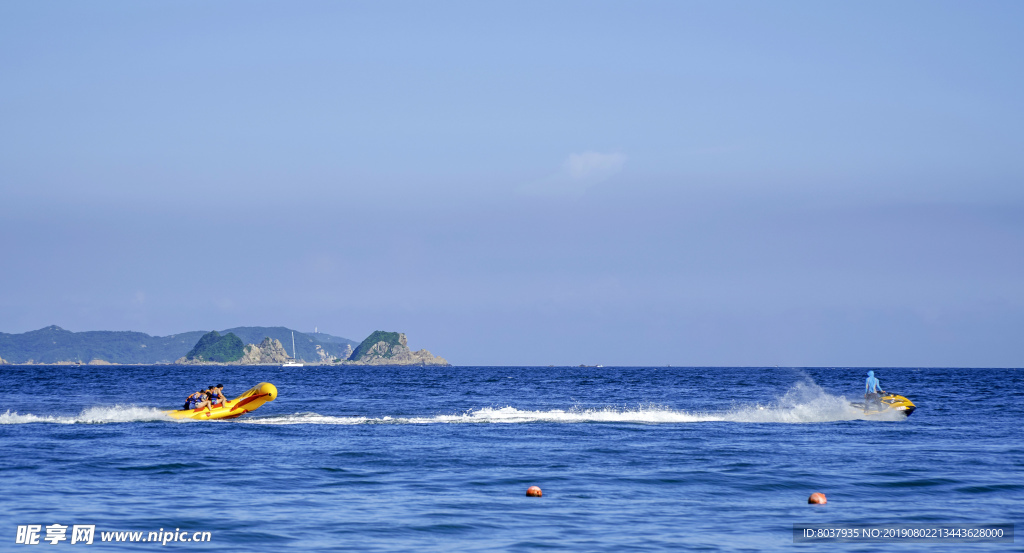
817 499
533 491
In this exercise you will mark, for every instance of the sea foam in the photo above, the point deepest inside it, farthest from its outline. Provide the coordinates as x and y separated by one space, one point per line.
91 415
804 402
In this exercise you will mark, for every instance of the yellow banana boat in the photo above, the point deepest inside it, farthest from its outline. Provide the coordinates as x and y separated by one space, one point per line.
887 402
249 401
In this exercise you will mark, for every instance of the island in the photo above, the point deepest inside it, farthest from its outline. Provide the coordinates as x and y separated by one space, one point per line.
252 345
379 348
54 345
214 349
390 348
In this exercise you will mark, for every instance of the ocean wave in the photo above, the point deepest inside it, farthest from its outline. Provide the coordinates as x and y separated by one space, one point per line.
90 415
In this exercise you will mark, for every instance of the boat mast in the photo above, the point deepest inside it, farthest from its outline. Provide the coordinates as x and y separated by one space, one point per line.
293 344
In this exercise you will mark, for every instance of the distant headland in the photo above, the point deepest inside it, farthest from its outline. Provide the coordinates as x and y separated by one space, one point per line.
254 345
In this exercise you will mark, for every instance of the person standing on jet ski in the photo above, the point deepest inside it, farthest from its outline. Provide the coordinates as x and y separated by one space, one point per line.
873 392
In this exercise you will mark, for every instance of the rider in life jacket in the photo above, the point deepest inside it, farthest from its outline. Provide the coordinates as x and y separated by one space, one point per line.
217 395
193 400
199 399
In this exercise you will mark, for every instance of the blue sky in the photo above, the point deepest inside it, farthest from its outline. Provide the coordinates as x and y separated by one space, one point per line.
533 183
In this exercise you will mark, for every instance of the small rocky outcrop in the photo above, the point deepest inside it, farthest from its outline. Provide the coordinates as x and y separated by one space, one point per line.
2 362
391 348
268 352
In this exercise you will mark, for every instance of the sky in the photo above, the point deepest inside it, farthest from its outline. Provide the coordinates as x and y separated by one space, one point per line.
524 183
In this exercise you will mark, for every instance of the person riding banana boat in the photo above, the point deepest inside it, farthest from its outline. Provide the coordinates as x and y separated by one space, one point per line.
877 400
211 403
198 400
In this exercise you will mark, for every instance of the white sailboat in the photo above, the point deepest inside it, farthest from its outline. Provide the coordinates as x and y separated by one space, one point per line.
292 362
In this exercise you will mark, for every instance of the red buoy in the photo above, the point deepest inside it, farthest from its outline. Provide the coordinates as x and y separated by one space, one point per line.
817 499
534 491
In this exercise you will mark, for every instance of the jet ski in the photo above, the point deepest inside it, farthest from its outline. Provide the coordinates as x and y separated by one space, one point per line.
249 401
887 402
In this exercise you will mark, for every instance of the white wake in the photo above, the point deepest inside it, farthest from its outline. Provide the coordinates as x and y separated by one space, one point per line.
805 402
91 415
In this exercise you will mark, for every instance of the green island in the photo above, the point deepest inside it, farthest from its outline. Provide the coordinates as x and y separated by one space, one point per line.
216 348
390 348
391 340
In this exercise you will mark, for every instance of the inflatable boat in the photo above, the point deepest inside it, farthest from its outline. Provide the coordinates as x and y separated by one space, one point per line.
249 401
886 403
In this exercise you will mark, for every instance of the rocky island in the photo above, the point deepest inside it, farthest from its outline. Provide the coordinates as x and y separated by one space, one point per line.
213 348
390 348
267 352
379 348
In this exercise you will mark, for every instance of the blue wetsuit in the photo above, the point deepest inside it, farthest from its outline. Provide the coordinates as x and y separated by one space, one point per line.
872 386
872 392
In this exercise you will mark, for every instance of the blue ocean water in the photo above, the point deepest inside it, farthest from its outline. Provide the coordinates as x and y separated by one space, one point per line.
439 459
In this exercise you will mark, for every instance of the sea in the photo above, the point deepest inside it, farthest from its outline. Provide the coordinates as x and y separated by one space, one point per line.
439 459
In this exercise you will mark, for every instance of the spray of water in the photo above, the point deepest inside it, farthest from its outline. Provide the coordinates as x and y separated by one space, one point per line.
91 415
804 402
